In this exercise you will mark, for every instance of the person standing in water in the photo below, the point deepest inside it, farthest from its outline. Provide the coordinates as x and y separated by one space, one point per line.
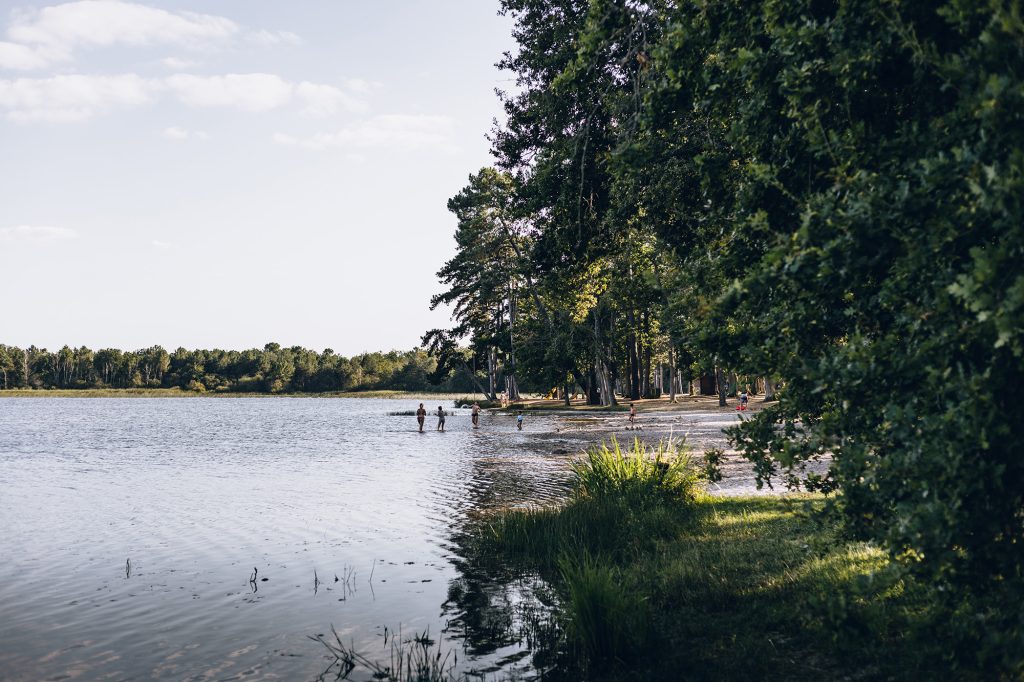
519 421
421 415
440 418
476 416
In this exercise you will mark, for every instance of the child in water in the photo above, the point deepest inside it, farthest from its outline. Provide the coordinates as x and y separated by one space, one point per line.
421 414
519 421
440 418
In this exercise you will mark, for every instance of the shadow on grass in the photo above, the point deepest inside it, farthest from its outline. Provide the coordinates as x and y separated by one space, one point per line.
641 576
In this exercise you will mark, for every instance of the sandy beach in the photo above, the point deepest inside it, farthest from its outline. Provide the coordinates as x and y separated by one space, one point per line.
696 419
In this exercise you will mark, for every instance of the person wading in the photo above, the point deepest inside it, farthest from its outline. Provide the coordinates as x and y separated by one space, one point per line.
440 418
476 416
421 415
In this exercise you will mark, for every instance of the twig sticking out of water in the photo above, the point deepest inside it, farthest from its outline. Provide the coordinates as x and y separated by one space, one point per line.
413 660
316 582
348 582
372 566
128 567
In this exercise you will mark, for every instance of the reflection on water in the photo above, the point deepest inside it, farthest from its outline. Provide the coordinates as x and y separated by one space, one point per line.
208 538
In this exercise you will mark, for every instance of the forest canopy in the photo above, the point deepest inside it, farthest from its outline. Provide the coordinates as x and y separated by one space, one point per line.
272 369
824 197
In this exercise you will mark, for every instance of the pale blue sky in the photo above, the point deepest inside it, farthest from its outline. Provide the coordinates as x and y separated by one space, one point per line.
231 172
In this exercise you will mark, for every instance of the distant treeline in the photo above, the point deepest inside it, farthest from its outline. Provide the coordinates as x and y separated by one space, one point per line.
272 369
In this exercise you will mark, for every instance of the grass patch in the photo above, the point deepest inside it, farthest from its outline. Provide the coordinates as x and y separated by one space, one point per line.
656 580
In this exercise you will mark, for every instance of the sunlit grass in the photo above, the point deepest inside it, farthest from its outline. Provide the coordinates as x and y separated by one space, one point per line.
659 581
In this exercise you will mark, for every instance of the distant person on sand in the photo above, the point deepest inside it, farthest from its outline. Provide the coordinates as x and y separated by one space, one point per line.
421 415
440 418
632 416
519 421
476 416
743 399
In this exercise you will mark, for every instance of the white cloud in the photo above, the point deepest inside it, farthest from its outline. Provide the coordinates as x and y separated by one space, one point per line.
269 38
54 33
20 57
35 234
162 245
78 96
71 97
326 100
394 131
176 133
248 92
178 64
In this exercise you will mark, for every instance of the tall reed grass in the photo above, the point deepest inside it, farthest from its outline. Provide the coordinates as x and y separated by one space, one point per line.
622 503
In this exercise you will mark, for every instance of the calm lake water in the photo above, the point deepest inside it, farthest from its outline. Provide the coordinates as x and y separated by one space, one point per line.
130 529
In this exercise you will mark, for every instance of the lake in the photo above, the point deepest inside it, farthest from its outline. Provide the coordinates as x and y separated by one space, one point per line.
132 528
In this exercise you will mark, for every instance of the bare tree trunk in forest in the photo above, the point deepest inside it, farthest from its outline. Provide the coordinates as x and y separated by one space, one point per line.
720 386
513 385
672 375
601 367
645 374
593 388
734 385
633 369
769 389
492 372
24 361
480 387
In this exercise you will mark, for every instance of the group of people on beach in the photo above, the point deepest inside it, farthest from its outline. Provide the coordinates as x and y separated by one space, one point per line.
421 416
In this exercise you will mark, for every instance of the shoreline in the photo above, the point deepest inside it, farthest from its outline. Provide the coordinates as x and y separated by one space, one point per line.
179 393
698 420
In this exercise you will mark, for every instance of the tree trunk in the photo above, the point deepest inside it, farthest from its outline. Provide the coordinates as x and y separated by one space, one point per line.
672 375
593 388
492 372
513 311
634 369
645 375
769 389
472 375
720 386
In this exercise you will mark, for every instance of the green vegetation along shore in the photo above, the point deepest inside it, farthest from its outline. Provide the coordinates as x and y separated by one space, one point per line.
648 578
176 392
271 369
816 201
